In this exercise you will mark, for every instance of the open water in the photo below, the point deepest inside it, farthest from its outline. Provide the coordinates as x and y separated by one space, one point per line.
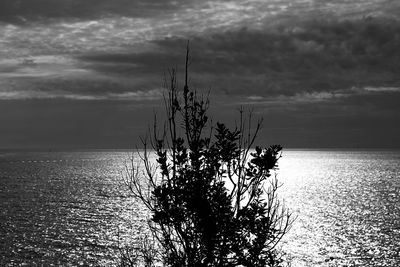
71 209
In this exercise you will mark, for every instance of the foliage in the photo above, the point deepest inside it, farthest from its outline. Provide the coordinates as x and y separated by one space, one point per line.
211 197
145 253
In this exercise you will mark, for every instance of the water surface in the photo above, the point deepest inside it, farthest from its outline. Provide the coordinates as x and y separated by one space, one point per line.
70 208
347 203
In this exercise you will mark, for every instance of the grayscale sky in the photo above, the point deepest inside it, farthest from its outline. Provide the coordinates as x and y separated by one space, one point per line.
89 73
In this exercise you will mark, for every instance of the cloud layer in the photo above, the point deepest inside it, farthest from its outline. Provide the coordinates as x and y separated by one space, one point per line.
331 57
22 11
320 72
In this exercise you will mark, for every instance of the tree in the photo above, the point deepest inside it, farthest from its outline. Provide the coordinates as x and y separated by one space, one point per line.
211 196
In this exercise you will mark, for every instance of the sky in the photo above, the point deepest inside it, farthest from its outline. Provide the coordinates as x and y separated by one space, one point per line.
88 74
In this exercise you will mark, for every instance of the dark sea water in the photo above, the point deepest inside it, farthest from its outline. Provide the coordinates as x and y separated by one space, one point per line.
71 209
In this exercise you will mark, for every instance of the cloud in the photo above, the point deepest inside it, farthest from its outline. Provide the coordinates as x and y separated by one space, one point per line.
40 67
181 13
150 95
313 57
323 56
111 30
73 26
52 77
19 11
382 89
370 98
296 58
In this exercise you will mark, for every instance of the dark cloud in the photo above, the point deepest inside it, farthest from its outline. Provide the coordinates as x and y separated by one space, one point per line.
314 56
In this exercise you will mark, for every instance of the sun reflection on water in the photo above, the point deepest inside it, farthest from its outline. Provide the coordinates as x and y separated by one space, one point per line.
346 207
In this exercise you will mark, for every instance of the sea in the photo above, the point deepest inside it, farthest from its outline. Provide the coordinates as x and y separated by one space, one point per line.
73 208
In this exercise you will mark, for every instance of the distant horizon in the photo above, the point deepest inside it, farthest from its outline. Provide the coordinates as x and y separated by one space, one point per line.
134 149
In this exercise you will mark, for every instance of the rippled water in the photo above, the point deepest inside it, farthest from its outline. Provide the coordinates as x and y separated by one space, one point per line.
69 208
348 207
63 208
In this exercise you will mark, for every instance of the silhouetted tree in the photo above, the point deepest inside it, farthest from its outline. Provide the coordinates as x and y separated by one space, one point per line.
211 197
